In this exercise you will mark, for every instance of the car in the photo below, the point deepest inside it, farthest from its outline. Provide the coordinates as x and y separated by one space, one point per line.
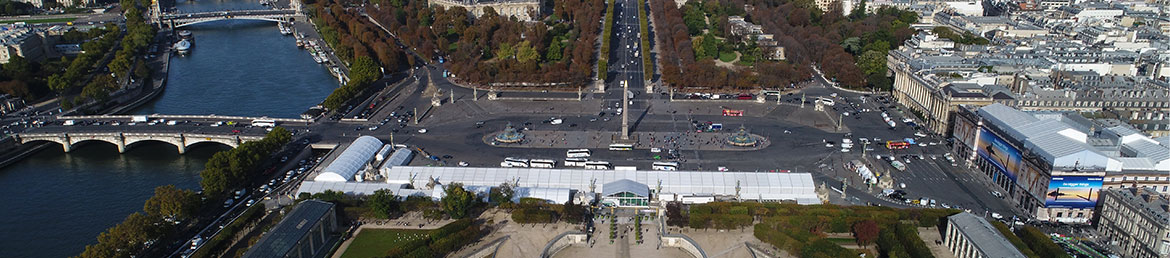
229 203
463 164
655 150
250 202
424 130
447 156
828 145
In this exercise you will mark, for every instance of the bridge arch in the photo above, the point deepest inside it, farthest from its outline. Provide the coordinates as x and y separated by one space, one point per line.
136 142
82 142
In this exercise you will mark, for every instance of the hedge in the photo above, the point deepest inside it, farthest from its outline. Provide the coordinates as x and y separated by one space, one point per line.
1011 237
1040 243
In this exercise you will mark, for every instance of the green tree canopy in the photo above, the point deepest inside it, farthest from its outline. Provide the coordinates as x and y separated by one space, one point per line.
457 201
170 202
383 203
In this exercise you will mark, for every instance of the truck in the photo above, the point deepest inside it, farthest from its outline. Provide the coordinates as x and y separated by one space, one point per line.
68 122
138 119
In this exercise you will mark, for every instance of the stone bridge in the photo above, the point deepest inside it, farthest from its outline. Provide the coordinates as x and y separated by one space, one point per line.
176 20
125 140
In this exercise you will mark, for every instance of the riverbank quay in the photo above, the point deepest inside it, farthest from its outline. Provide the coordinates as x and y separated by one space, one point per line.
133 97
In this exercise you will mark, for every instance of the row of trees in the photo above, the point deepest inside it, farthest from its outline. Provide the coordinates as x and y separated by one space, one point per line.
362 73
531 210
231 169
644 32
494 48
606 35
803 229
1015 240
1040 243
170 205
902 240
352 36
162 212
367 49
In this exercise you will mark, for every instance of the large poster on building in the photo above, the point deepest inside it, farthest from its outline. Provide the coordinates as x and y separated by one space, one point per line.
1032 180
1073 191
998 152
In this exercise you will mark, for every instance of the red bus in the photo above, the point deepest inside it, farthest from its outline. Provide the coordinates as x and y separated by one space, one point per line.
896 145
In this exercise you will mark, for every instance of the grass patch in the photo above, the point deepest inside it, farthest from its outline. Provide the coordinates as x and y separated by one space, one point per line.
33 21
843 241
726 57
375 242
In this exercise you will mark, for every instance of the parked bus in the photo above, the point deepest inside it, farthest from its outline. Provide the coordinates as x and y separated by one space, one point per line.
621 147
576 162
896 145
542 163
578 153
264 123
598 165
667 166
514 163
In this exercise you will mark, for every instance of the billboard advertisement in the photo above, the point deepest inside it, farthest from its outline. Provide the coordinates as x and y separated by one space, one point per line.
1073 191
1032 180
998 152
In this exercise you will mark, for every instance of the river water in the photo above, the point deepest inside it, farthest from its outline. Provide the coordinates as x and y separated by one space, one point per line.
56 203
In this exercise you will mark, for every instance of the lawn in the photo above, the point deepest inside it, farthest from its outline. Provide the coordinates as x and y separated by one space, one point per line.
842 241
375 242
32 21
726 57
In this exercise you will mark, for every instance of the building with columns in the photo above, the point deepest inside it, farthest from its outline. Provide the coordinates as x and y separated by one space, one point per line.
524 10
969 236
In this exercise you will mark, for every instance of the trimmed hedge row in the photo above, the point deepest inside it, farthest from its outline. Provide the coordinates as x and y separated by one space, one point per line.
1011 237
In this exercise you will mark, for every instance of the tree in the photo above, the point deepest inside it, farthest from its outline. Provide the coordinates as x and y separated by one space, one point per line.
674 215
501 194
121 64
171 203
554 52
18 68
383 203
872 62
865 232
364 71
457 201
853 45
99 88
526 53
858 11
505 51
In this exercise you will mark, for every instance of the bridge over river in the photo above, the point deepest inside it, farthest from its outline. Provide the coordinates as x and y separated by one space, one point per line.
121 131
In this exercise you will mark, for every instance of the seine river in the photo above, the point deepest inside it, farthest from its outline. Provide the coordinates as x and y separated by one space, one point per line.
56 203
